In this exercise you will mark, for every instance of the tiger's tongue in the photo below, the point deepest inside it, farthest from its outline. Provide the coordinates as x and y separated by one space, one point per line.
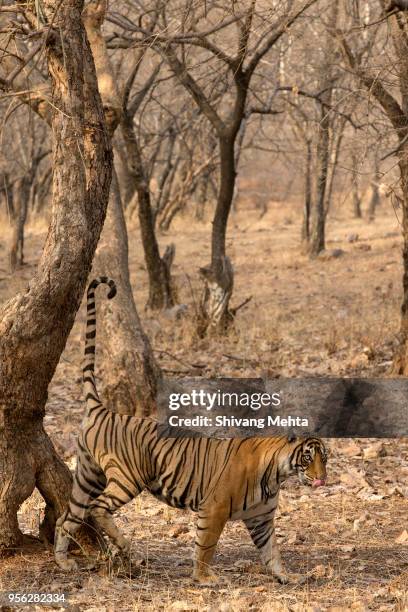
318 483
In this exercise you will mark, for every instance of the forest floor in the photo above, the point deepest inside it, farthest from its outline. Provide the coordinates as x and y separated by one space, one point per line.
336 315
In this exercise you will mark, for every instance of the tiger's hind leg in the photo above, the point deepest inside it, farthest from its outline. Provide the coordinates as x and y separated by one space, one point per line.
114 496
89 482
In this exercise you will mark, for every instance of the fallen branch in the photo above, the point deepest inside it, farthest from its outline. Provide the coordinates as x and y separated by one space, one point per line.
184 363
234 311
244 360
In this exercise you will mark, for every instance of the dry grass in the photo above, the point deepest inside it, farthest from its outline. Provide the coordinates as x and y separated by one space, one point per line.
336 316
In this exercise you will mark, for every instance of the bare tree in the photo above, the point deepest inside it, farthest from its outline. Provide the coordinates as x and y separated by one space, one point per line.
241 68
395 107
35 324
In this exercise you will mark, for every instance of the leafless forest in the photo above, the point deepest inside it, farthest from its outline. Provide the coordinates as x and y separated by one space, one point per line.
240 168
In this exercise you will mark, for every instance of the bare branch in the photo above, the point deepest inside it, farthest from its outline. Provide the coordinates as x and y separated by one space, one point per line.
193 87
275 35
138 99
388 102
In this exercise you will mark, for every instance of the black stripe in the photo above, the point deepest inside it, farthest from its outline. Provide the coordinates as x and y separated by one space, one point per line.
79 504
92 397
121 486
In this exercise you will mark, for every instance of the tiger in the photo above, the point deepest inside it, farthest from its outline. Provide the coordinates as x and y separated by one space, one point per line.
221 480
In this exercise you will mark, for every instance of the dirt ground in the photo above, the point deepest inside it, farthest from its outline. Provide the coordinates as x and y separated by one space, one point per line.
336 315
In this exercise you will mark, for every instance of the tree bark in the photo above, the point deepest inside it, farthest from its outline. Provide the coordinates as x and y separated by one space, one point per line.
34 326
130 373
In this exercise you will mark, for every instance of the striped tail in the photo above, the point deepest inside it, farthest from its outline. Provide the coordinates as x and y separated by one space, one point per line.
91 393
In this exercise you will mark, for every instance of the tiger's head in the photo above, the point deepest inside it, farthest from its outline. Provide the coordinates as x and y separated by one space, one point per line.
308 458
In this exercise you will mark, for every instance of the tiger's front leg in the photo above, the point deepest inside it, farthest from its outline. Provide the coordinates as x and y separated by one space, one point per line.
263 535
209 528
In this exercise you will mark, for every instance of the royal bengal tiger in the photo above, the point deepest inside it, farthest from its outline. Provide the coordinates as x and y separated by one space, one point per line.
119 456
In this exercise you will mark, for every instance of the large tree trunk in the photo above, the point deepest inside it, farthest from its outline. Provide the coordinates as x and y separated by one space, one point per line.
130 373
34 326
161 289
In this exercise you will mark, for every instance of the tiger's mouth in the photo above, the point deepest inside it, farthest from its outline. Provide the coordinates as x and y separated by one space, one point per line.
311 482
319 482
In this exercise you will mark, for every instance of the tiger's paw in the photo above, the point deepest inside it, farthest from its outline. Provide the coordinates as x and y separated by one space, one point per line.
286 578
67 564
206 579
90 565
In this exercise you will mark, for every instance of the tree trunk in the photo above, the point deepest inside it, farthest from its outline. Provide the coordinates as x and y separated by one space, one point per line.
317 242
21 196
161 289
375 198
6 193
130 373
356 201
43 191
400 362
336 140
355 191
185 185
125 180
308 195
219 276
202 193
34 326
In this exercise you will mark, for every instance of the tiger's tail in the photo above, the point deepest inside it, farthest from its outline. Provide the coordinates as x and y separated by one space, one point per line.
88 372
